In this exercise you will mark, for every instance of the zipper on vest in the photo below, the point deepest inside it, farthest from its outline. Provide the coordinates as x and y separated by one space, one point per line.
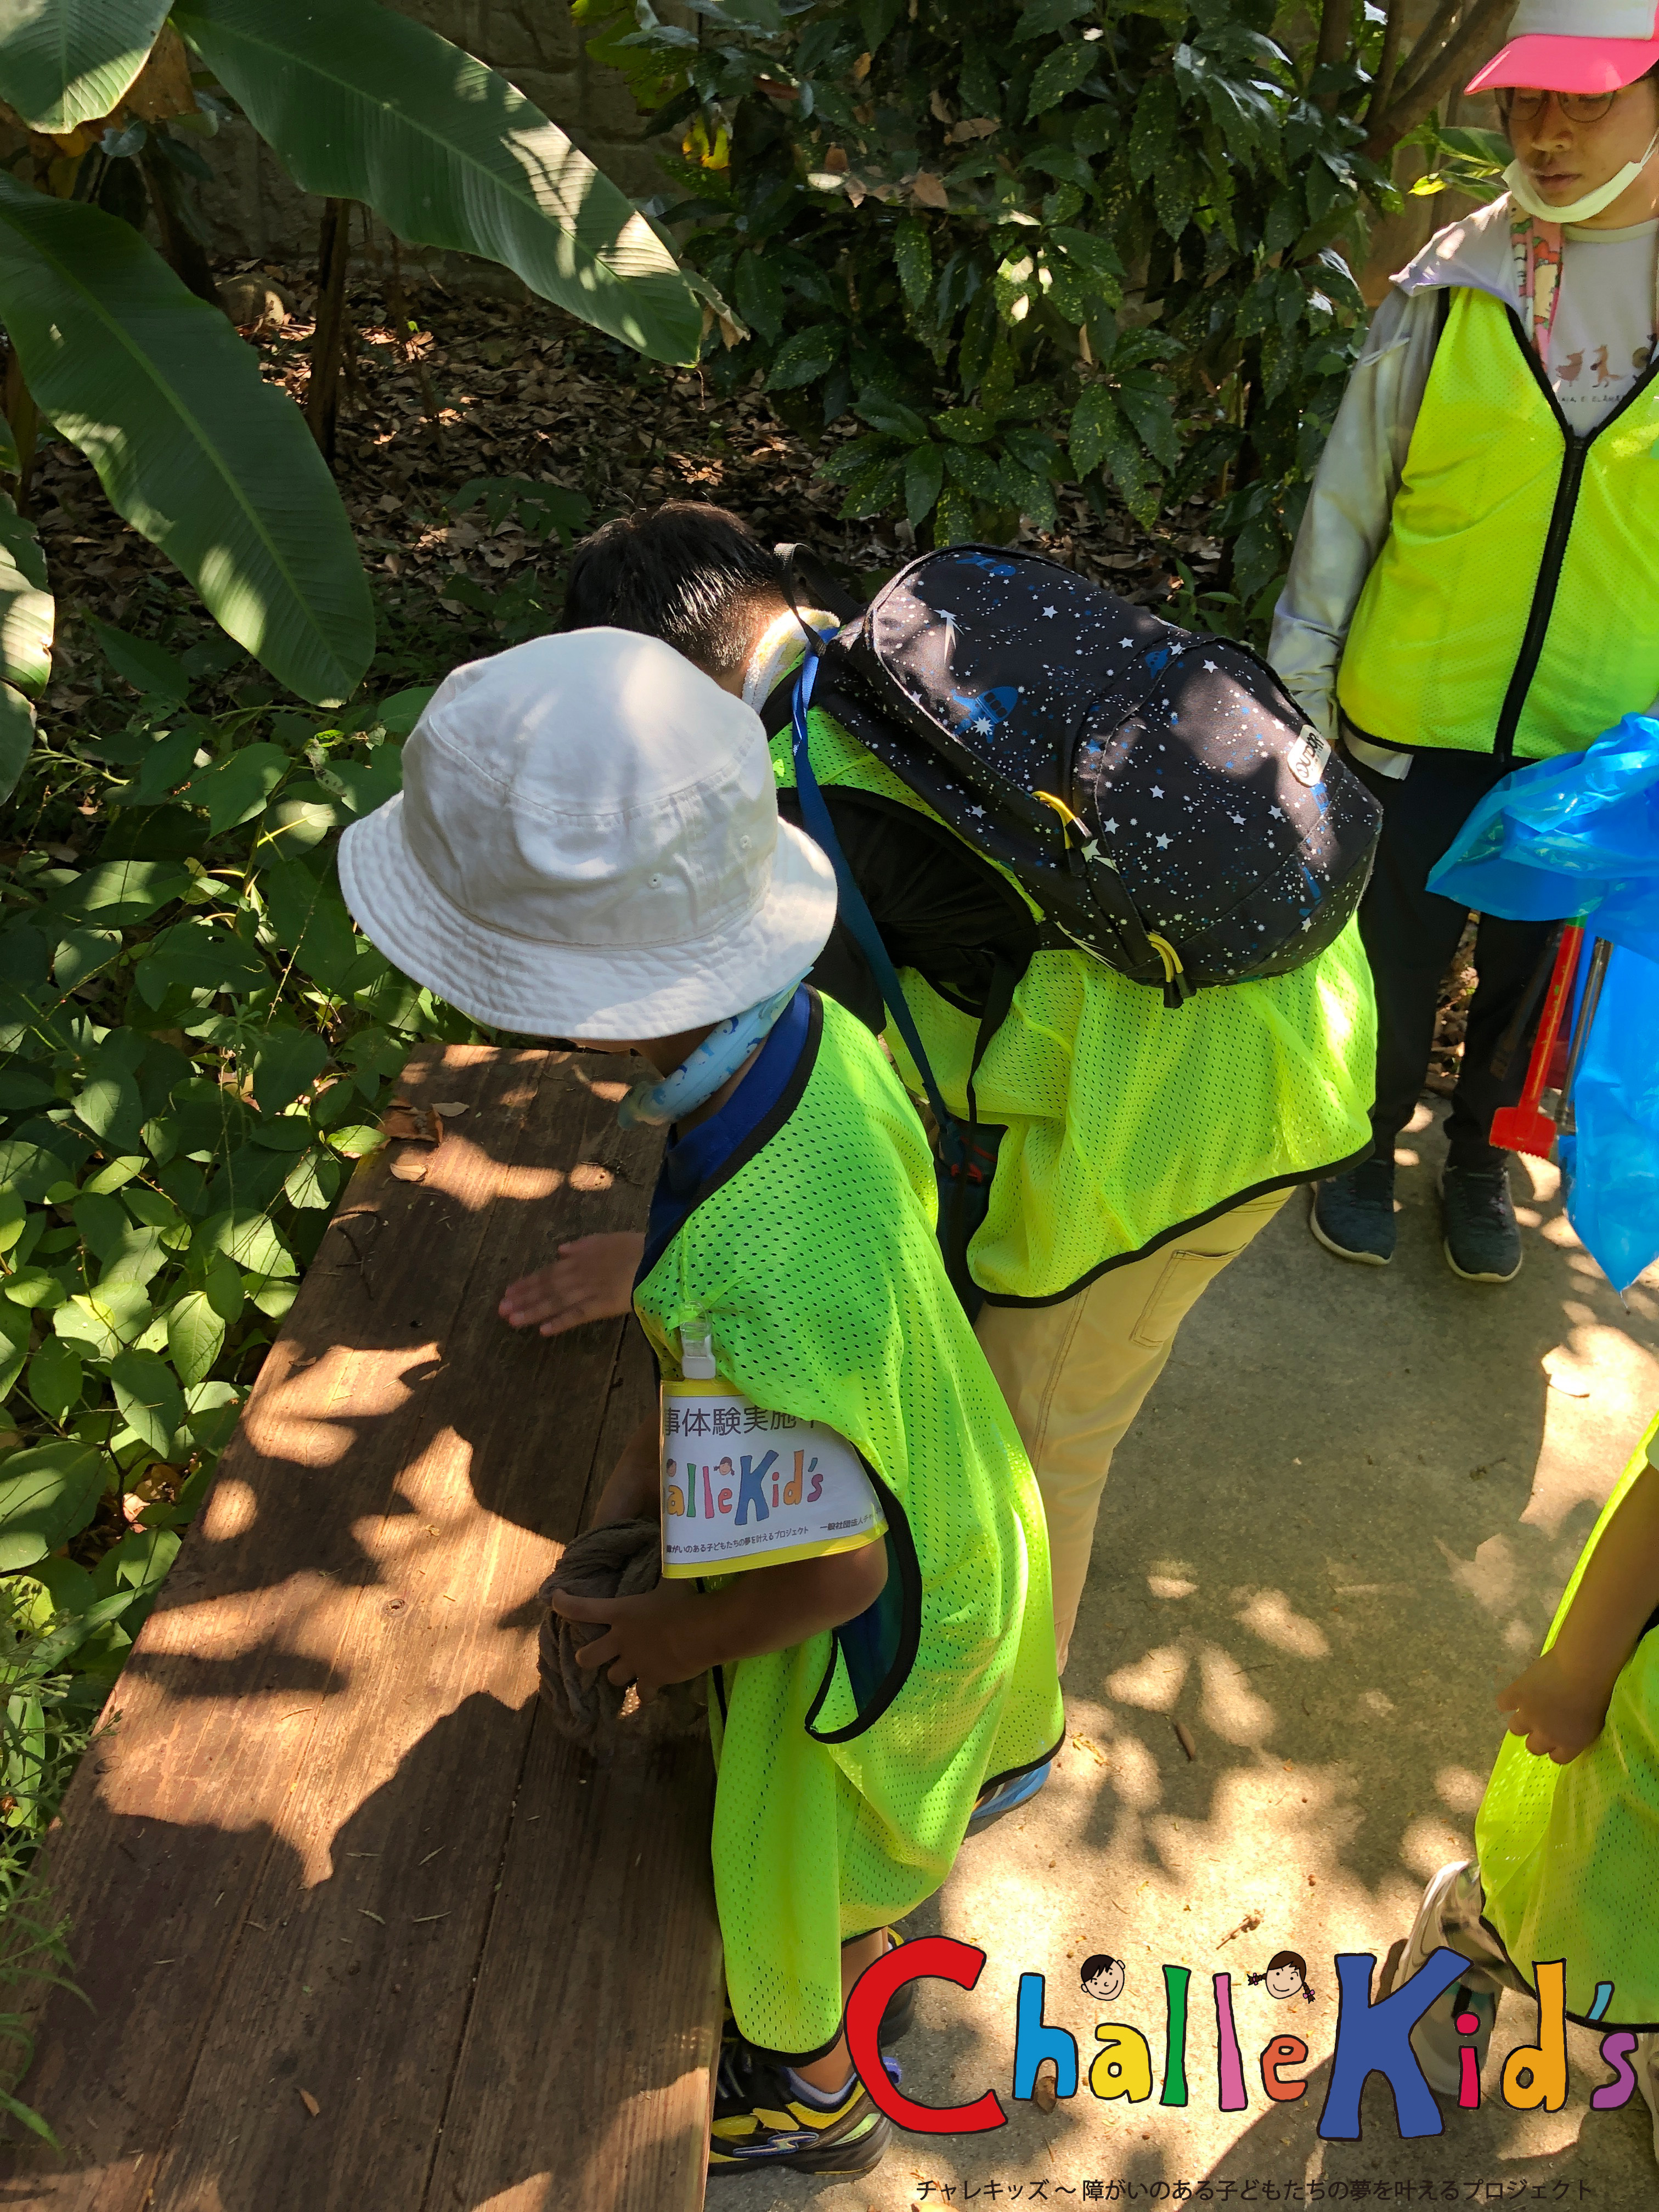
1573 465
1543 598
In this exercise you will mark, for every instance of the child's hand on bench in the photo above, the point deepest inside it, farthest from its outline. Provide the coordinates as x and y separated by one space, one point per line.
677 1632
592 1279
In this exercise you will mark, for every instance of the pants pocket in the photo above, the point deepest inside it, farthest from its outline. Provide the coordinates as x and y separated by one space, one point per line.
1182 1278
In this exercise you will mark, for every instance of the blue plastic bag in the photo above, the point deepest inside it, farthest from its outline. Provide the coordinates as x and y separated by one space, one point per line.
1576 838
1575 835
1612 1162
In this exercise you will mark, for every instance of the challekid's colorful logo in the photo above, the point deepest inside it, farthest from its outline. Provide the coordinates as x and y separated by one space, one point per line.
1371 2039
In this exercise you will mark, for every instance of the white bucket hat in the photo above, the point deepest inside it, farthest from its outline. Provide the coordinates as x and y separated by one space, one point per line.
588 844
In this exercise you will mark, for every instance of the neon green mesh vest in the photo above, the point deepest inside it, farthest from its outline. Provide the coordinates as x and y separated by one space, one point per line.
848 1765
1127 1123
1511 610
1569 1855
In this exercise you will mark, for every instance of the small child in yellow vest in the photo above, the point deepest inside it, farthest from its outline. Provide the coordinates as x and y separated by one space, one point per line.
1473 582
587 846
1567 1836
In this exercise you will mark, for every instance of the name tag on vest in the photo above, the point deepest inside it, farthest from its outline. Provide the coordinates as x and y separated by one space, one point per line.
744 1487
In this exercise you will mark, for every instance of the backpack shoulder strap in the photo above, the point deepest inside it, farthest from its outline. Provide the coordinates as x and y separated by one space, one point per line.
854 912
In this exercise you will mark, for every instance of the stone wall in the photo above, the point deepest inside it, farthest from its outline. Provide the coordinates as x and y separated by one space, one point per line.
254 210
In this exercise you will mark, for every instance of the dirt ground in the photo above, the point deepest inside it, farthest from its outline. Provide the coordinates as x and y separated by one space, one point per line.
1342 1522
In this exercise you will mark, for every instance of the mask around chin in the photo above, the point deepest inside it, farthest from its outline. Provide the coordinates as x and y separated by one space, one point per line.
1521 192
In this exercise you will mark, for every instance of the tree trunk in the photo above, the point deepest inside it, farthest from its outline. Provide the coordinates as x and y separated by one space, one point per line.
1388 68
181 249
1334 19
329 341
1421 86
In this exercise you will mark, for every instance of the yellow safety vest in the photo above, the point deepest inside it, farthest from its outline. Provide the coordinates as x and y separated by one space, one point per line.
1125 1124
1514 609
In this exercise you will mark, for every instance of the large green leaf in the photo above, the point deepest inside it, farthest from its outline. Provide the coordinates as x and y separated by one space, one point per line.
63 61
16 737
26 609
361 104
193 447
47 1492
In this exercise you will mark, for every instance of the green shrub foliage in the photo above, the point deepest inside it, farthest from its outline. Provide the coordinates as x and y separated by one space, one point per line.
1025 244
195 1044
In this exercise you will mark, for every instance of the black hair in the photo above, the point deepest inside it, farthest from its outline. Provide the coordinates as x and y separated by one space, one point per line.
1096 1962
1285 1959
689 574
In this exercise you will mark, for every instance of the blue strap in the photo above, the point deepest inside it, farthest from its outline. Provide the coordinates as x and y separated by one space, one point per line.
856 914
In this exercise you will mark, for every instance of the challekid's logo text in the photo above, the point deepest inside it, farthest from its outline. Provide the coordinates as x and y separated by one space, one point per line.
1371 2039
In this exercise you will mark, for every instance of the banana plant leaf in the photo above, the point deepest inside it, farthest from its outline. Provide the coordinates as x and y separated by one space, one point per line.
361 103
65 61
27 610
212 464
16 737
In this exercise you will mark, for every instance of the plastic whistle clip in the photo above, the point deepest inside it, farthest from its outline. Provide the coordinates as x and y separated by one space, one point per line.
697 1353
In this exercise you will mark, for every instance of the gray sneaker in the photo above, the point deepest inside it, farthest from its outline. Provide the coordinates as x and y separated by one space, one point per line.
1353 1213
1483 1237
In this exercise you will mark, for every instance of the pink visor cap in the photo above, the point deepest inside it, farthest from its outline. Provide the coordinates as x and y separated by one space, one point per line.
1575 45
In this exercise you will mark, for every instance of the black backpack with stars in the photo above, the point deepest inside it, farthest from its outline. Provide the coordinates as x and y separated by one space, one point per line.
1157 794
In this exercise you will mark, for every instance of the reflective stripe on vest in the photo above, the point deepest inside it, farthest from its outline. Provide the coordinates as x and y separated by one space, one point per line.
1512 609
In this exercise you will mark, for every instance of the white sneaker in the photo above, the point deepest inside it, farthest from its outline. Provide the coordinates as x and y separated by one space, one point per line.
1451 1899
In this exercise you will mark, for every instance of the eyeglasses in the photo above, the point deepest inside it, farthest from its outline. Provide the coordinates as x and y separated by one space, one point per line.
1576 106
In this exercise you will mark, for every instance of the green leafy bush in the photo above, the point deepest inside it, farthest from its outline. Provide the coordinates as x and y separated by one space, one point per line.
194 1044
1025 244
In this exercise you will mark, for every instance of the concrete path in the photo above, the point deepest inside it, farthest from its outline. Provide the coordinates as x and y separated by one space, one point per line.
1343 1521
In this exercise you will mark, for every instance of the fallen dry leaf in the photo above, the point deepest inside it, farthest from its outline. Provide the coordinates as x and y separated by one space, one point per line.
835 161
928 190
1086 1743
1042 2092
410 1171
936 106
310 2103
972 127
861 68
1183 1733
419 1125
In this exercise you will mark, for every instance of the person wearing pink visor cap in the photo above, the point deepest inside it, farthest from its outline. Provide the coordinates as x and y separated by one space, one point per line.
1475 583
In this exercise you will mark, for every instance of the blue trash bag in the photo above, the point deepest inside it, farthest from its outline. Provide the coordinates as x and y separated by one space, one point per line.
1575 835
1611 1163
1576 838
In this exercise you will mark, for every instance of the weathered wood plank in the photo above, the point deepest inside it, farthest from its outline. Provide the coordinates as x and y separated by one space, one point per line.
283 1869
584 1898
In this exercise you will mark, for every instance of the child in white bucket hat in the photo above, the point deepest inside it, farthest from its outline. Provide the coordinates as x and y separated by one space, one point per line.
587 846
1473 585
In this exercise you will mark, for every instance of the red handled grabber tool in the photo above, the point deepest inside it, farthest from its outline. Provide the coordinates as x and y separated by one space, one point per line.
1527 1127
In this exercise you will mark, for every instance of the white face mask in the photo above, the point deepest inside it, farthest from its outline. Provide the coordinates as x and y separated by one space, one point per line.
1593 203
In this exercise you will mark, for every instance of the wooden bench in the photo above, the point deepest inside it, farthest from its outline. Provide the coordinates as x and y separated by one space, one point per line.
358 1929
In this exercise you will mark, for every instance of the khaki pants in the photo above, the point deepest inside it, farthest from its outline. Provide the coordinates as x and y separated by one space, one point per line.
1075 1374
